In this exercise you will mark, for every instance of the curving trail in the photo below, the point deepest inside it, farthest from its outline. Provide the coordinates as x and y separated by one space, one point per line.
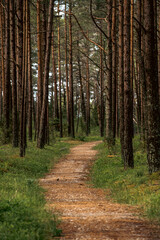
85 212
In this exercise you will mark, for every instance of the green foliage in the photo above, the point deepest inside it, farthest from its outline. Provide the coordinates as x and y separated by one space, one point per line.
23 215
131 186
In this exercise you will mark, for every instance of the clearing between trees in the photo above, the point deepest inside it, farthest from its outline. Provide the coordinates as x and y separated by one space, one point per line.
85 211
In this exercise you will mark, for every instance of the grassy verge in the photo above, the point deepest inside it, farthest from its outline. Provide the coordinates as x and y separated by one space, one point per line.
133 186
22 205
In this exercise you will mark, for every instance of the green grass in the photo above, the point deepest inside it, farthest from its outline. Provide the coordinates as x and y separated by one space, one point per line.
23 215
132 186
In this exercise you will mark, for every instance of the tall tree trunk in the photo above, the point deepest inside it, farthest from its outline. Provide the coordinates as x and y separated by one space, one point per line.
83 104
7 86
41 140
109 133
24 84
102 89
131 60
87 93
40 66
71 100
56 111
114 67
30 90
19 52
140 69
153 139
66 68
2 49
144 114
121 76
59 76
128 148
13 76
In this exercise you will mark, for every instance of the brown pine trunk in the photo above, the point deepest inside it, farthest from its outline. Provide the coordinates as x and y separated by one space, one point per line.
0 90
41 136
102 89
71 100
109 133
24 84
40 66
19 52
83 104
153 139
59 76
139 64
2 50
7 86
43 32
56 111
87 94
121 77
30 90
131 61
13 76
128 148
114 67
66 69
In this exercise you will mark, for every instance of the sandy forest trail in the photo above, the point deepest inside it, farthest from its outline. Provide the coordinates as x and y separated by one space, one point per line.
85 212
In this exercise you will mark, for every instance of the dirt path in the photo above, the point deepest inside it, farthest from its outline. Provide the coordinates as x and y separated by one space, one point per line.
85 212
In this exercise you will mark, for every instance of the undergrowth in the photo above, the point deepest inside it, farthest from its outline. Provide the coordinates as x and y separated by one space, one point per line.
131 186
23 215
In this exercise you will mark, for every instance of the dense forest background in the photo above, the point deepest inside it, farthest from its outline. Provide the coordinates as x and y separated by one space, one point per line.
68 68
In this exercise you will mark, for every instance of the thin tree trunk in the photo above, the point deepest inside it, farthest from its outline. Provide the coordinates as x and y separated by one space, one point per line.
19 52
128 148
40 67
88 94
7 74
59 76
114 67
56 111
30 90
121 76
24 85
102 89
2 50
71 100
83 105
109 133
131 61
13 76
41 141
66 69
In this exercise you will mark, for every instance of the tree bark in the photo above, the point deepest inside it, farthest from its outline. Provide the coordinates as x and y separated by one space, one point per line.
30 90
71 100
13 76
114 67
19 52
41 140
40 66
87 94
128 148
121 76
59 76
7 87
66 70
109 133
153 139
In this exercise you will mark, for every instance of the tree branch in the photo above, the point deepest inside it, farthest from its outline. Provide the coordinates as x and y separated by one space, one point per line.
95 21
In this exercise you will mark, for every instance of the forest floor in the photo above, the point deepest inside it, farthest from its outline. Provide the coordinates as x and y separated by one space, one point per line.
84 210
